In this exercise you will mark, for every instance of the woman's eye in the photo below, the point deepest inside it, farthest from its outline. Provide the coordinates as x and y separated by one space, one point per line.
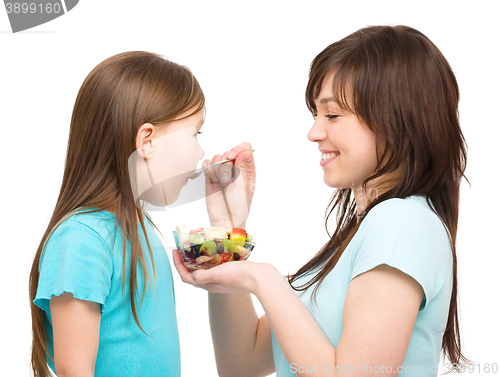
198 133
331 116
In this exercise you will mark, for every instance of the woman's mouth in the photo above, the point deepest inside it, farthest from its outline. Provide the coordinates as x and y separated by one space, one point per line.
328 157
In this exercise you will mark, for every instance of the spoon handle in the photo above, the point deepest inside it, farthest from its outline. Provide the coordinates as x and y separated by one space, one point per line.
221 162
227 207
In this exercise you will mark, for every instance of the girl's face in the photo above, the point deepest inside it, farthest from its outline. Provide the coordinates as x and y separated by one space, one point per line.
347 146
170 158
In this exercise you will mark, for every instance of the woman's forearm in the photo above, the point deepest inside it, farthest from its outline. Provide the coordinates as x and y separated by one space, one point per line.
301 340
233 324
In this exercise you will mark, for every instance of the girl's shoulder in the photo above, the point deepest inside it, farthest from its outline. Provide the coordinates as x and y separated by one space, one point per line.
87 220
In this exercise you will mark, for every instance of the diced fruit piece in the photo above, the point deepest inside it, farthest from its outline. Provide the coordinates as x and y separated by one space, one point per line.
226 257
196 250
181 228
209 247
217 259
196 238
215 232
203 259
249 238
190 254
220 247
236 256
230 246
238 235
242 251
197 230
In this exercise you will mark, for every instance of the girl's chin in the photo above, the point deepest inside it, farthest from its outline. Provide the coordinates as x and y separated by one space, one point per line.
161 197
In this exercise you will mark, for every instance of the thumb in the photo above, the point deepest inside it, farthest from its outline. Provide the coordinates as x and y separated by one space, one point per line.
202 276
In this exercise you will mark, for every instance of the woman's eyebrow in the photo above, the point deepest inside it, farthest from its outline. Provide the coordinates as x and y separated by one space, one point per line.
323 101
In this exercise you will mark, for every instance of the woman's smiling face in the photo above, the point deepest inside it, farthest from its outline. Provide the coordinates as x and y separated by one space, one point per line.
348 146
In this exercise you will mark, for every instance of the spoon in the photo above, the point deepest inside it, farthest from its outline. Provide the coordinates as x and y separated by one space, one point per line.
196 175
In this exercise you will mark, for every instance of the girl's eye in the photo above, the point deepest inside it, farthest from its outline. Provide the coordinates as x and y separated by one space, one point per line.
331 116
198 133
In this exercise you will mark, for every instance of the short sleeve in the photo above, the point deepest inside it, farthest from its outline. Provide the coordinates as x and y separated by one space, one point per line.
76 260
406 235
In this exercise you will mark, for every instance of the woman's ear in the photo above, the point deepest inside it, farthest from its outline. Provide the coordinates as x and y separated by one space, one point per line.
144 141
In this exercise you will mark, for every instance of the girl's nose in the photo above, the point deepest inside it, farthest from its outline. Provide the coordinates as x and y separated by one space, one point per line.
202 153
316 133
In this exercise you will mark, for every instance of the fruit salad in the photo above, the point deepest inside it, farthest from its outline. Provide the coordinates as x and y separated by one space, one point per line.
204 248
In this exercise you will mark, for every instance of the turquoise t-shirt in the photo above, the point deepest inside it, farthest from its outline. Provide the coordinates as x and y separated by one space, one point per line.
405 234
83 256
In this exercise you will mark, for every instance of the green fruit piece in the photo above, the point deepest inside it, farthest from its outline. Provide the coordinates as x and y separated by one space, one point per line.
230 246
249 238
197 238
208 247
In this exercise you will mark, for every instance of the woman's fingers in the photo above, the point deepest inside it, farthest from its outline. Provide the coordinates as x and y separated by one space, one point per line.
214 171
196 278
185 274
226 169
223 173
189 276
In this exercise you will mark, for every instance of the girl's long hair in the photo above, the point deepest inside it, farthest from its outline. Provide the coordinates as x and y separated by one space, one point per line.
400 85
118 96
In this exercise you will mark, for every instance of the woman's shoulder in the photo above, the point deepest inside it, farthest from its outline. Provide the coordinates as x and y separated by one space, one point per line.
413 214
413 208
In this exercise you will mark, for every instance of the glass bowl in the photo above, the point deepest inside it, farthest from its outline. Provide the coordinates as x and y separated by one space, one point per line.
201 252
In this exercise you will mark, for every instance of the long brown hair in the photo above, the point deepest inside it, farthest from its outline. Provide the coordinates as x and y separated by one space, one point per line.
117 97
399 84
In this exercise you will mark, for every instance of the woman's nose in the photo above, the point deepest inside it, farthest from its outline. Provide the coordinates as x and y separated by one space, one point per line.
316 133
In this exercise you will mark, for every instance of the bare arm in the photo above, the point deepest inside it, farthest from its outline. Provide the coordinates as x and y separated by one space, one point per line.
242 341
380 309
76 325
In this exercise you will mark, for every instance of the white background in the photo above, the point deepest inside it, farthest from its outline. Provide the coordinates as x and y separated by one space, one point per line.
252 61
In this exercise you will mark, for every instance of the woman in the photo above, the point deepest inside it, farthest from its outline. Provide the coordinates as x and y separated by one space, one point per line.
381 295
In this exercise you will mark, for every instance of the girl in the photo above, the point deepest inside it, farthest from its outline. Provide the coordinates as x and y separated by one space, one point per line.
381 295
103 303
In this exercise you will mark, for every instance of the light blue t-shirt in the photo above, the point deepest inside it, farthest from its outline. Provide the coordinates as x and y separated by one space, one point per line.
404 234
83 257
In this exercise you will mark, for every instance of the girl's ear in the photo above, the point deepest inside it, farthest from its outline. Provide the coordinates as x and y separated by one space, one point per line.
144 142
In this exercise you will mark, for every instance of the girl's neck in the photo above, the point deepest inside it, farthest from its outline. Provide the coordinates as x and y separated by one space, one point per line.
114 213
